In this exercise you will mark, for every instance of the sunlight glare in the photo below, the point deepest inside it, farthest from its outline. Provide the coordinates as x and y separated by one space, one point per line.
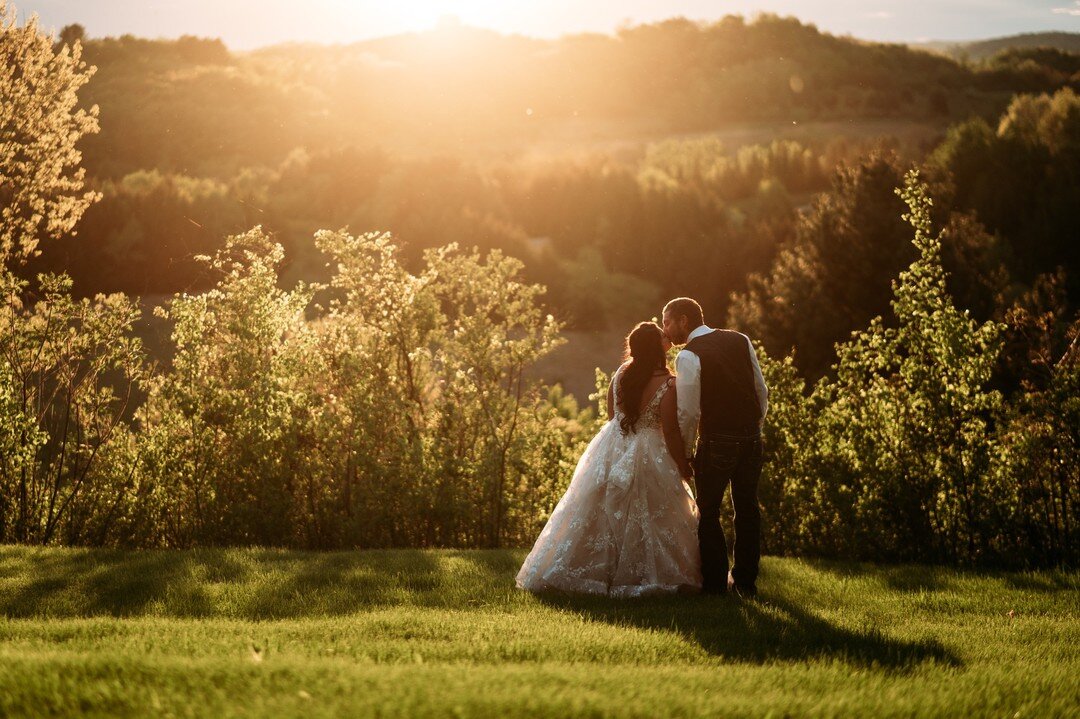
420 15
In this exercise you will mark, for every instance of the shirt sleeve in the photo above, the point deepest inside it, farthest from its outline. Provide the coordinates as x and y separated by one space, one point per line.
759 381
688 387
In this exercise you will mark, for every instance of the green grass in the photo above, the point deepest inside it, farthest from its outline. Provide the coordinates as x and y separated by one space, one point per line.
242 632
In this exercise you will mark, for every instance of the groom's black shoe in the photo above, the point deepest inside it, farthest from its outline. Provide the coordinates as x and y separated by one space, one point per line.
714 589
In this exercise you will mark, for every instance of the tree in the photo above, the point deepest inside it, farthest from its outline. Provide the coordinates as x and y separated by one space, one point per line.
1022 180
71 34
835 275
67 367
41 182
912 413
811 299
219 428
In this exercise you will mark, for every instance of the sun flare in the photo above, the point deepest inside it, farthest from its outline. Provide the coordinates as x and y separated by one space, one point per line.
419 15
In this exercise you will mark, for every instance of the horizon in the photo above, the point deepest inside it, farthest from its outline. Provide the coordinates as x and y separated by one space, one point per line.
334 22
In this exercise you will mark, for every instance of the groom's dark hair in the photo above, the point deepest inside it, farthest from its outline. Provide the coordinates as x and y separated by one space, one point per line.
685 307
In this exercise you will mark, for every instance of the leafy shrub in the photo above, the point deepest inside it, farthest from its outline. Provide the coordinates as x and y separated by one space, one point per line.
897 465
398 415
67 368
1038 458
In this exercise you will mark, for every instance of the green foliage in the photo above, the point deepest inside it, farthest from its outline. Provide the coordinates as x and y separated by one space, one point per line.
910 417
1039 454
68 369
900 456
676 76
1022 180
1030 69
218 436
607 239
792 507
705 166
398 411
1007 203
191 109
40 177
1020 44
596 298
453 435
398 415
808 299
599 397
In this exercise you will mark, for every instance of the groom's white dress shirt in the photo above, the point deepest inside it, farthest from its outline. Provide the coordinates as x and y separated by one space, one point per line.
688 387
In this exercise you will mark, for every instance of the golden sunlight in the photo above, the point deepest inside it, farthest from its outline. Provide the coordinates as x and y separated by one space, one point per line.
420 15
348 358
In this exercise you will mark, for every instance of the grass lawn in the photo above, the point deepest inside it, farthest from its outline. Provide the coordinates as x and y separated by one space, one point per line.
241 632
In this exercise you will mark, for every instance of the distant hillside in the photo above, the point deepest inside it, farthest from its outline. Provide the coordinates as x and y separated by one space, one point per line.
983 49
192 106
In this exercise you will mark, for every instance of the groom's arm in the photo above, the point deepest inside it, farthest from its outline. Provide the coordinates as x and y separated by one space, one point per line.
688 389
759 381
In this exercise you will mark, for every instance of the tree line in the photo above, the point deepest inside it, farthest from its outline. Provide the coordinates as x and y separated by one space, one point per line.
192 107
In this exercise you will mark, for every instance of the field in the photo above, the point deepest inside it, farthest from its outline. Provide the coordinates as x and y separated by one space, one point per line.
243 632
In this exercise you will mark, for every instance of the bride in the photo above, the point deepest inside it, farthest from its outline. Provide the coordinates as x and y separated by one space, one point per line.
627 525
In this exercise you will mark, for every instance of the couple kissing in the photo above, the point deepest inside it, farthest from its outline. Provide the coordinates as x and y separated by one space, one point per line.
629 523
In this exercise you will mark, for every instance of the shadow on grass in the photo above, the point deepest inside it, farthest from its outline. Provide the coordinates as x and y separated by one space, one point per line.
338 583
1043 582
928 578
768 629
75 583
902 578
252 583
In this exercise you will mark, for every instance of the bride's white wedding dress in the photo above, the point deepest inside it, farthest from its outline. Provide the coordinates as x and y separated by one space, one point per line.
627 525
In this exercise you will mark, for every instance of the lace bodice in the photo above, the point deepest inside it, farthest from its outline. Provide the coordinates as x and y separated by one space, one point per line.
650 416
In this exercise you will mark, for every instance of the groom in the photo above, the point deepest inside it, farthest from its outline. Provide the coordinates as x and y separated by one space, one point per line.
720 388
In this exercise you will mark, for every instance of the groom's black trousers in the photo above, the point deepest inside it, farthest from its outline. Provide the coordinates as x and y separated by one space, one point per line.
722 460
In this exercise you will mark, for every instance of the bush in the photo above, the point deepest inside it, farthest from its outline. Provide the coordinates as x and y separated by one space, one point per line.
1039 454
67 370
398 415
897 465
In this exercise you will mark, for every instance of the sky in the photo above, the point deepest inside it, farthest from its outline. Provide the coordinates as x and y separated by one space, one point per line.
245 24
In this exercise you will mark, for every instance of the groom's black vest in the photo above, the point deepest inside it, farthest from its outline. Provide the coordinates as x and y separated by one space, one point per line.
729 402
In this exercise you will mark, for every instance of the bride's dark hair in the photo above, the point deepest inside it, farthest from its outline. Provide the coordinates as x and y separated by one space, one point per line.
644 355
